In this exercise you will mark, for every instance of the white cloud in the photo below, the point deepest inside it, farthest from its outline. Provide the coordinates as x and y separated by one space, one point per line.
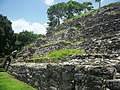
49 2
21 24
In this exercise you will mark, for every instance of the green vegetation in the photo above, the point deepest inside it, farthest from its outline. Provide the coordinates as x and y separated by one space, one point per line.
6 36
10 41
7 82
87 13
2 70
0 64
65 10
61 53
61 31
26 38
51 43
64 53
74 28
48 44
79 16
65 41
32 44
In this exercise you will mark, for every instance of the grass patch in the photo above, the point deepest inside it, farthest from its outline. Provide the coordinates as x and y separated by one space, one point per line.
45 45
2 70
64 53
81 39
87 13
1 64
32 44
51 43
74 28
61 31
79 16
7 82
61 53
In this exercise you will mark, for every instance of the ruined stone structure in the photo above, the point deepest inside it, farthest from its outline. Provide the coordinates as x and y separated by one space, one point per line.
67 76
98 33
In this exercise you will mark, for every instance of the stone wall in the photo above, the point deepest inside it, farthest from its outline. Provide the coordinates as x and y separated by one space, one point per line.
28 52
104 14
96 33
100 31
62 76
103 38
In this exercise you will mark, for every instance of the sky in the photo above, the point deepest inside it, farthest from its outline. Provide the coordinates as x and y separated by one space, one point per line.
31 14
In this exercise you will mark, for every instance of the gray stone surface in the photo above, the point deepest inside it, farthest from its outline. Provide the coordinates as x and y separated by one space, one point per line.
46 76
99 69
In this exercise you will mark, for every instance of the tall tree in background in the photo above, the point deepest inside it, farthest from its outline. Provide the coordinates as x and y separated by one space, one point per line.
99 1
87 6
25 38
6 36
10 41
55 13
62 11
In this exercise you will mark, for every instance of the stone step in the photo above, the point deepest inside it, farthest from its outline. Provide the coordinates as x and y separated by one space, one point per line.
113 84
117 76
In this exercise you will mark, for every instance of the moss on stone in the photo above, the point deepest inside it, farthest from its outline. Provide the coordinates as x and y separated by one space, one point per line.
58 54
74 28
51 43
79 16
57 33
32 44
87 13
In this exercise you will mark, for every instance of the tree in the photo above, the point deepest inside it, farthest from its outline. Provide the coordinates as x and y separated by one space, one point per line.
61 11
6 36
99 1
55 13
87 6
10 41
25 38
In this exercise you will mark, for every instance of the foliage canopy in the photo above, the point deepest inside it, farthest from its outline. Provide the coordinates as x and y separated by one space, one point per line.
25 38
62 11
6 36
10 41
